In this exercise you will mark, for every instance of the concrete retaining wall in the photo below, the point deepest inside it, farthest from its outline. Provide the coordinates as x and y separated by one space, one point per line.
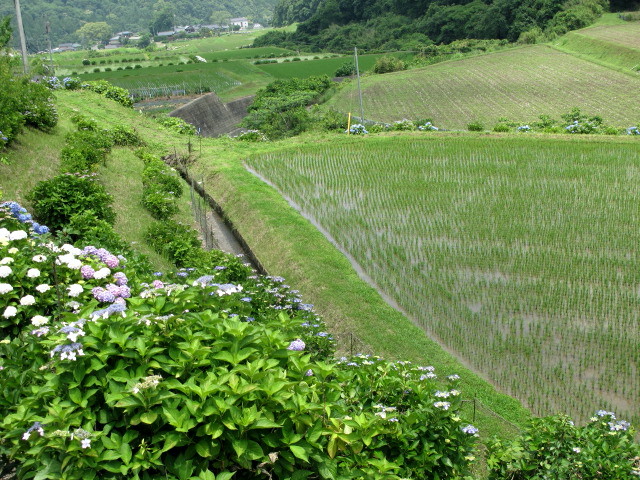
212 116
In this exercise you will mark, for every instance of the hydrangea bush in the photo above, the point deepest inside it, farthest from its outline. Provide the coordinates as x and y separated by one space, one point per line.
554 447
187 376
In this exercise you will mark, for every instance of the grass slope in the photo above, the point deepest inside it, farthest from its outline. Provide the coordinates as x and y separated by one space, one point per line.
35 157
518 84
290 246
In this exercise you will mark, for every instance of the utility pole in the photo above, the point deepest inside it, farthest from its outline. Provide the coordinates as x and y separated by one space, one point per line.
47 29
23 41
355 50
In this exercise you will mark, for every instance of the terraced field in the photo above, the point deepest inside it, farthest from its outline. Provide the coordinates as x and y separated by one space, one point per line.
518 84
627 34
519 254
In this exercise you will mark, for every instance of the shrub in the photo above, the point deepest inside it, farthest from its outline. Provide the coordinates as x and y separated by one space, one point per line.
84 123
553 447
108 90
61 197
36 105
124 135
177 125
149 388
403 125
175 241
252 136
357 129
84 150
427 127
86 62
379 127
345 70
161 205
387 64
475 126
501 127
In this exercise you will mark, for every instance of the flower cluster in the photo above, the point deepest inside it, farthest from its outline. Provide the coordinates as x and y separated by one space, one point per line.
21 214
427 127
357 129
151 381
524 128
633 131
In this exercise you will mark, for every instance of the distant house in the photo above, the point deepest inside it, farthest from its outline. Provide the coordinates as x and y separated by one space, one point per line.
240 22
67 47
168 35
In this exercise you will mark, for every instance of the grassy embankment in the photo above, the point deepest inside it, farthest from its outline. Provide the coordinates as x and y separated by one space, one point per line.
35 157
518 85
611 42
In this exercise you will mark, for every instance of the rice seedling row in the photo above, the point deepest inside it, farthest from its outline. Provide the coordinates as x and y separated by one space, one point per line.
520 254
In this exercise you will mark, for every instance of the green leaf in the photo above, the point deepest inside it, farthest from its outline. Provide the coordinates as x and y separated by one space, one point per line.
206 475
148 417
254 451
332 448
75 395
225 475
125 453
299 452
203 447
239 445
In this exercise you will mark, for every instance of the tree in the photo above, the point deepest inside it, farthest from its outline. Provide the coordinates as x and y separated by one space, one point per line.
5 31
145 41
162 21
94 32
220 17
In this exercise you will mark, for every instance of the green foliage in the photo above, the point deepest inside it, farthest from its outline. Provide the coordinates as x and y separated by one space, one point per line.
94 32
108 90
501 127
84 150
252 136
171 385
553 447
160 205
125 136
61 197
338 25
174 240
346 70
84 123
178 125
475 126
278 110
389 63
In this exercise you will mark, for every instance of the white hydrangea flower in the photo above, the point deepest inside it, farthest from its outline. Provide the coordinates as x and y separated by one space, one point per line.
5 271
18 235
6 261
39 320
10 311
75 290
27 300
43 287
39 258
102 273
5 288
33 273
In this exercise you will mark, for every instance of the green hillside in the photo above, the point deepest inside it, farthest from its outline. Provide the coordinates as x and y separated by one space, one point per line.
518 85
